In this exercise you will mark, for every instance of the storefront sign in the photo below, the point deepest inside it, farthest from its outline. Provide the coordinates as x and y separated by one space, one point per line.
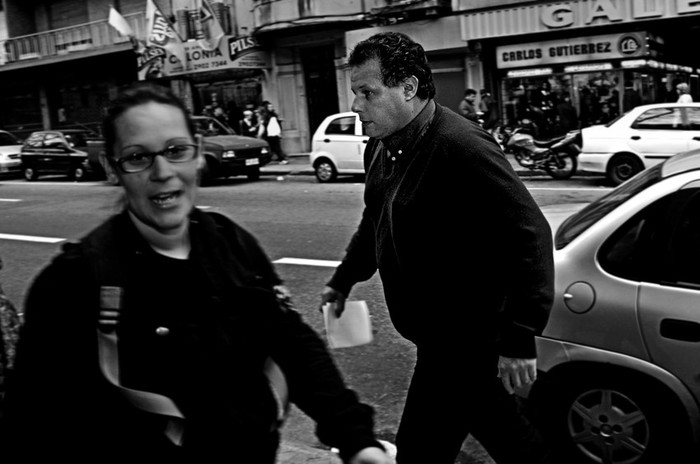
548 16
579 49
233 53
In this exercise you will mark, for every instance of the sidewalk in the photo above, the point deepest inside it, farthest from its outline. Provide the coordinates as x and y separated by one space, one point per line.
299 165
295 453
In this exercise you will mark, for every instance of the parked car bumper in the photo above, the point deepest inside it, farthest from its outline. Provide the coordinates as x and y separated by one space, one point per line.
11 166
593 162
234 165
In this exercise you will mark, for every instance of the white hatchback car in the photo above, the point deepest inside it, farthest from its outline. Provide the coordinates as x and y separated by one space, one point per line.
10 148
640 138
337 147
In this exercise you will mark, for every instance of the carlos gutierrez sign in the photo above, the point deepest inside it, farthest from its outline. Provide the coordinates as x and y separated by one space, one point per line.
579 49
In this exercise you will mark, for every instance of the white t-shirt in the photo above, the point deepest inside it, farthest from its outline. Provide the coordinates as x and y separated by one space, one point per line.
273 127
685 98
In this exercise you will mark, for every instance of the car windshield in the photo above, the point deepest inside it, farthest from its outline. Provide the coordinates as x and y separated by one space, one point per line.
579 222
211 126
8 139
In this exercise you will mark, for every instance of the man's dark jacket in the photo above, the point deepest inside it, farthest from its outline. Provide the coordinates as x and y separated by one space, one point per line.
463 250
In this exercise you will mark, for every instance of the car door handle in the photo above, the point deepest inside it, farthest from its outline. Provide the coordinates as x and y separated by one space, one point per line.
364 141
326 140
678 329
696 138
635 137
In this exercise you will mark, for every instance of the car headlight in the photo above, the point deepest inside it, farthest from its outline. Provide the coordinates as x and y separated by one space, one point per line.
229 154
264 151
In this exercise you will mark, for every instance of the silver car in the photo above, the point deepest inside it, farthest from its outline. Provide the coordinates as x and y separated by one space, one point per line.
620 356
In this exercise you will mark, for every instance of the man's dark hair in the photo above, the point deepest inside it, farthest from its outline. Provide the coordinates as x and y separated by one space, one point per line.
469 92
399 58
135 95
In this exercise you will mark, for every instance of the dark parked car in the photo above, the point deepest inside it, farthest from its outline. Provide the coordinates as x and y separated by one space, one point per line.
56 152
228 154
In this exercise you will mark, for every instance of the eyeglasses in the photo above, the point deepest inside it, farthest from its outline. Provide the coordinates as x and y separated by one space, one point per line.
136 159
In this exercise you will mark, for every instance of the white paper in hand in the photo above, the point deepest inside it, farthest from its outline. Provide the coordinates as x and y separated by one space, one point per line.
352 328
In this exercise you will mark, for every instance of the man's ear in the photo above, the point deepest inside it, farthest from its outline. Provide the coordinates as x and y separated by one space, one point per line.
410 87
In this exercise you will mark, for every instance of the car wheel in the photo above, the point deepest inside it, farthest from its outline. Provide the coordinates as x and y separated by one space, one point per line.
77 173
562 165
623 167
609 419
30 173
325 171
253 174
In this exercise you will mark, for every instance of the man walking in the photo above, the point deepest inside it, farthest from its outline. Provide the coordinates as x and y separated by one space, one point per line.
467 108
464 254
489 108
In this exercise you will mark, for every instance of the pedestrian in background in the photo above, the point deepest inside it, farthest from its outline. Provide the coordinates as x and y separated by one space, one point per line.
566 113
198 309
248 126
464 254
684 93
467 107
272 132
489 108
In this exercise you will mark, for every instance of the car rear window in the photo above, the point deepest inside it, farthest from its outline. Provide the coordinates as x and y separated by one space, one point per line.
579 222
342 126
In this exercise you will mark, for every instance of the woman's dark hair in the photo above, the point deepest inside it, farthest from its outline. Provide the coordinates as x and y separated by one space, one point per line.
399 58
135 95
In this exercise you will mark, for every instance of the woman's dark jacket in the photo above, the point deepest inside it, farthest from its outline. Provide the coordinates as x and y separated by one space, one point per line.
463 250
223 321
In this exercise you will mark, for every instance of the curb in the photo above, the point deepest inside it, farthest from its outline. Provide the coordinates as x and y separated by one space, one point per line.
299 165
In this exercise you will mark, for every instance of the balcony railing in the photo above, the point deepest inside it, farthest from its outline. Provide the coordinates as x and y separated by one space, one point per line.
58 42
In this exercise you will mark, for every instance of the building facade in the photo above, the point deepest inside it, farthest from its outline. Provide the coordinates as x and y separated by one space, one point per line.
600 57
60 60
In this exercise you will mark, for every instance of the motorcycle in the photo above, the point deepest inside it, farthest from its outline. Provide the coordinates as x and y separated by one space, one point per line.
557 156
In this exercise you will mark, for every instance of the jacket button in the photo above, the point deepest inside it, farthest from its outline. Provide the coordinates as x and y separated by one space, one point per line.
162 331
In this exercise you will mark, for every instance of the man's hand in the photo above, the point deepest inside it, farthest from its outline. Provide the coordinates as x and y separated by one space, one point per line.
516 372
331 295
371 456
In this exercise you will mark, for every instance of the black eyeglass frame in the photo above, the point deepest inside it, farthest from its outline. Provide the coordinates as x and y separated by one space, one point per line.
119 162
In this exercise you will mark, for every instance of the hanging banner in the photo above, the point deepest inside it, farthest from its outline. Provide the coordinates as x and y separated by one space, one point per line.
232 53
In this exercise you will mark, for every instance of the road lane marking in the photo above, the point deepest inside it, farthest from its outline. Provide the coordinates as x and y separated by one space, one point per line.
575 189
31 238
308 262
9 199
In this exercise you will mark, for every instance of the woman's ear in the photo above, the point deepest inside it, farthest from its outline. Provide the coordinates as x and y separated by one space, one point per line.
410 87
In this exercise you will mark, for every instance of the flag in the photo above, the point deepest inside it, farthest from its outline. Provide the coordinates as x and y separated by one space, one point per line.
207 28
161 34
118 22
